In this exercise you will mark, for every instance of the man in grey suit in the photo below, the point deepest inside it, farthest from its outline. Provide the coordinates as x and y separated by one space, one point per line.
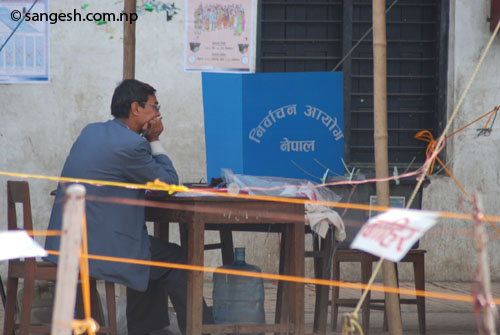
127 149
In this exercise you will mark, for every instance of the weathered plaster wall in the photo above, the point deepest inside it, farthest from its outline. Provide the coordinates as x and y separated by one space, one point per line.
474 161
42 120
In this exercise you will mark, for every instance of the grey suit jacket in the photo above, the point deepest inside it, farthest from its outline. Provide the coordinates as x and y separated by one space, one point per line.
111 151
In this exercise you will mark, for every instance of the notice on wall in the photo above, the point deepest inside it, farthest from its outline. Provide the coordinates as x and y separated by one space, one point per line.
392 234
218 36
394 201
24 54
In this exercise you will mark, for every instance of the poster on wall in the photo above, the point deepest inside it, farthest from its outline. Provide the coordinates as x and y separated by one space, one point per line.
24 48
218 36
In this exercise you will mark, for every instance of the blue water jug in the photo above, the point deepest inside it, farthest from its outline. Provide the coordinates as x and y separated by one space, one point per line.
238 299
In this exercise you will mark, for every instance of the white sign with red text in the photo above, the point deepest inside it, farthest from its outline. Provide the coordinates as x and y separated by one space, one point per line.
391 234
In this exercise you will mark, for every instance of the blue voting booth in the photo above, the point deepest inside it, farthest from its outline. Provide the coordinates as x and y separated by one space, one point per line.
274 124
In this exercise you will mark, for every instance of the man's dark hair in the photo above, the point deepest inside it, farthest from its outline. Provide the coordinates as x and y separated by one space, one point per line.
126 93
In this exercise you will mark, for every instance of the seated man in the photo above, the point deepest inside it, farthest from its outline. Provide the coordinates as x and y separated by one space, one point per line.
127 149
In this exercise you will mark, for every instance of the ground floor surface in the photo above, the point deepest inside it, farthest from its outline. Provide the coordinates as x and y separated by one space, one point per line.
444 317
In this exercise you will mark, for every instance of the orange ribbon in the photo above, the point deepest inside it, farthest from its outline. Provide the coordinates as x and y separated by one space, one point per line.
426 136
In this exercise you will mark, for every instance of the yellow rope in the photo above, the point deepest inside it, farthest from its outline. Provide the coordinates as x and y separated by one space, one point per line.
350 325
351 319
178 188
370 282
81 326
84 273
155 186
288 278
161 185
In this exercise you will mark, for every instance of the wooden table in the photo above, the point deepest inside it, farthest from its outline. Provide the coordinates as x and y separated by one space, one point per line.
197 213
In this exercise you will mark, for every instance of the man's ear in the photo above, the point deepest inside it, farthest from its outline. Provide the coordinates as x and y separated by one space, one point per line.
134 108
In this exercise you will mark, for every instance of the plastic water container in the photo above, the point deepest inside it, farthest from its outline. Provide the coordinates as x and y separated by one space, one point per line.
238 299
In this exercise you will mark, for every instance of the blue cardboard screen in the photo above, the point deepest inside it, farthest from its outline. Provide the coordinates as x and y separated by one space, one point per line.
222 103
274 124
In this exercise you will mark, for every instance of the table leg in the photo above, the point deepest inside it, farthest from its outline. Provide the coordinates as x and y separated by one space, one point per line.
322 271
226 239
161 230
281 315
296 290
196 233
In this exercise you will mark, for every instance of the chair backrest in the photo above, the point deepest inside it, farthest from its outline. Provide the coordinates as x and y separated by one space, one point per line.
18 192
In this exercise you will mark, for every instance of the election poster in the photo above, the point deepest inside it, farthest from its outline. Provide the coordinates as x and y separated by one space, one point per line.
219 36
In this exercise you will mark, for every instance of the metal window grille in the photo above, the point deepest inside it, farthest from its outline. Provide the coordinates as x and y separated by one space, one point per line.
300 36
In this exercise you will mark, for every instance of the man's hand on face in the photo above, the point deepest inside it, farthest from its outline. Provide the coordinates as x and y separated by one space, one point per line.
155 127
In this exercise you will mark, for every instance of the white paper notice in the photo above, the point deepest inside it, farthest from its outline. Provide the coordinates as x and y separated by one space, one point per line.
391 234
17 244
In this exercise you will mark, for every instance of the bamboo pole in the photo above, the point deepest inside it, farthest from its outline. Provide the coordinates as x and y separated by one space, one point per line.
481 286
128 59
381 151
129 41
69 261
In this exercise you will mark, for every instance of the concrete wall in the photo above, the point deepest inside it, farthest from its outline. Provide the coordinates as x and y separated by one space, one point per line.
474 160
41 122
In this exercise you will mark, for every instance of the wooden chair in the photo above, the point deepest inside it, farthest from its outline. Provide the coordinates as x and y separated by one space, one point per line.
32 270
414 256
2 292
